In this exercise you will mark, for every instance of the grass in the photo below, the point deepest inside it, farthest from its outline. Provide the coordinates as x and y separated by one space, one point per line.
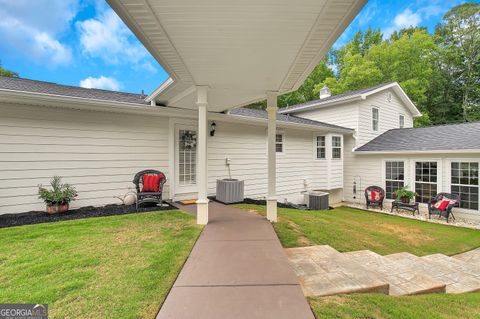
106 267
349 229
432 306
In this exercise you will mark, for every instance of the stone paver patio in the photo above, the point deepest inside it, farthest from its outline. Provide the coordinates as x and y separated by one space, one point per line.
237 269
324 271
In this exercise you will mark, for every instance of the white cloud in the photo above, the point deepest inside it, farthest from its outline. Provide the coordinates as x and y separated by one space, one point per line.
107 38
32 28
406 18
102 82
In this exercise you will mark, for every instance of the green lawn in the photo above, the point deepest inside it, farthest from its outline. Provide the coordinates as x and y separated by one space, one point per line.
349 229
108 267
433 306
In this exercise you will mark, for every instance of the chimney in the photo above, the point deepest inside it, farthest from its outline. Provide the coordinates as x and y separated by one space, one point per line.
325 92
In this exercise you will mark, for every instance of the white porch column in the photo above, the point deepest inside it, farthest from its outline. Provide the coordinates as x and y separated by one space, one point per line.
202 202
272 156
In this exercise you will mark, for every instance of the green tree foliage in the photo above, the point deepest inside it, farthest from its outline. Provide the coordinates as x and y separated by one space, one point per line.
4 72
458 38
440 72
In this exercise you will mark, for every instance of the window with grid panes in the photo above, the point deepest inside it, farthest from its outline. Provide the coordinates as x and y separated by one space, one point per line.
394 177
464 182
425 181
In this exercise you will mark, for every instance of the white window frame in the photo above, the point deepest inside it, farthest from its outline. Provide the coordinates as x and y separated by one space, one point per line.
439 174
384 174
448 176
375 128
401 121
316 147
332 147
281 133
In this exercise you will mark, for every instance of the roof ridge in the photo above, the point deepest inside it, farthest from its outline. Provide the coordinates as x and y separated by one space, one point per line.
433 126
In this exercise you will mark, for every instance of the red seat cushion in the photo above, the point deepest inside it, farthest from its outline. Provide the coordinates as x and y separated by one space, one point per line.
151 183
442 204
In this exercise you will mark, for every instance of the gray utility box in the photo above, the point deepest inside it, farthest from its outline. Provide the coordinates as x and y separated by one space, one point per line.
229 191
317 200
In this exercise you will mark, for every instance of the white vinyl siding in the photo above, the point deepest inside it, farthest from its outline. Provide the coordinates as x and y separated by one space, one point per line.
97 152
245 146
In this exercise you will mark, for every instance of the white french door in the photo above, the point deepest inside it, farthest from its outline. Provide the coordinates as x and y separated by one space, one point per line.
185 159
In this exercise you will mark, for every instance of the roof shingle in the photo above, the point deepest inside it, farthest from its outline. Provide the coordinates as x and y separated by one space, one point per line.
465 136
284 118
33 86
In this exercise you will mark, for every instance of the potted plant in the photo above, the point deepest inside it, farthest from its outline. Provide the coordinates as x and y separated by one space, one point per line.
404 195
59 197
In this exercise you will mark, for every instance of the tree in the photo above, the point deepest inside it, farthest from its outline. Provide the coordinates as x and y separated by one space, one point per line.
4 72
458 36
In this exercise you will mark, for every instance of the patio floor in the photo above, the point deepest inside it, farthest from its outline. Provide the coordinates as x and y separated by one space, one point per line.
237 269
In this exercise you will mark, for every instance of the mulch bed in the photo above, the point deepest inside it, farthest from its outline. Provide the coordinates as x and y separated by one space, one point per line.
264 203
39 217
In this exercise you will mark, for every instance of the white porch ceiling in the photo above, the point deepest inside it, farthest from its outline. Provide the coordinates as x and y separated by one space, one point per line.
240 49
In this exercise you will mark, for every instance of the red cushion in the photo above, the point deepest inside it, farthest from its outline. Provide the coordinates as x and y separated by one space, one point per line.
442 204
151 183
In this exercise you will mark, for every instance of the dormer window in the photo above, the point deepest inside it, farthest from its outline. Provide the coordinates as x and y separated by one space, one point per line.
374 119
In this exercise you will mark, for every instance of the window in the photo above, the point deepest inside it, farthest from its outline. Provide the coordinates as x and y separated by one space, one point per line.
425 181
401 121
321 147
394 177
464 182
279 143
336 147
375 119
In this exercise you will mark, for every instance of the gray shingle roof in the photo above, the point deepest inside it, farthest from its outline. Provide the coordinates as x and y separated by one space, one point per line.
436 138
25 85
332 98
283 118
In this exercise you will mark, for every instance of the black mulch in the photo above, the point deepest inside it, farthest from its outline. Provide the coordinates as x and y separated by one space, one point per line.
264 203
37 217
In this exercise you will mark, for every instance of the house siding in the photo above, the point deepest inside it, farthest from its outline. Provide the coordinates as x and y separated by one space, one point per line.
345 115
97 152
100 152
368 170
389 112
245 146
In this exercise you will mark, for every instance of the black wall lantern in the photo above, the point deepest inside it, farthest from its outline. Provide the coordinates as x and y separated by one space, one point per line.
213 126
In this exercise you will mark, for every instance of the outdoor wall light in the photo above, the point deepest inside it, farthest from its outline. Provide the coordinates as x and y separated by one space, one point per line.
212 128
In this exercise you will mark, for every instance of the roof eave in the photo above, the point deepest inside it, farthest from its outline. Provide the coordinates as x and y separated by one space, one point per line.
456 151
323 104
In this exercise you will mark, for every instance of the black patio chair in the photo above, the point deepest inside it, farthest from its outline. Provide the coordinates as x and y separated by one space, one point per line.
447 212
372 201
149 196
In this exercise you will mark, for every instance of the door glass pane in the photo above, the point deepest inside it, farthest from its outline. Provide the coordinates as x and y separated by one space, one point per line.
187 156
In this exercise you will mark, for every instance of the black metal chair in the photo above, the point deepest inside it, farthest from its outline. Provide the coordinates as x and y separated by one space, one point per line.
371 201
432 210
148 197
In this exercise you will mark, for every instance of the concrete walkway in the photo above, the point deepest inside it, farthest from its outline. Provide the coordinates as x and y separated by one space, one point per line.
237 269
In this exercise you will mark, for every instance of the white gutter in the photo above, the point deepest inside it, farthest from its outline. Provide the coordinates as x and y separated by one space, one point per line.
166 84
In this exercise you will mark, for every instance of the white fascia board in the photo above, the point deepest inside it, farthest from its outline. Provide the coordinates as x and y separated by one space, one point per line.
166 84
467 151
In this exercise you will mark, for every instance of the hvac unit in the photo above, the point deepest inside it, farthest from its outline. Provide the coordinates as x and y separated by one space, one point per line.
229 191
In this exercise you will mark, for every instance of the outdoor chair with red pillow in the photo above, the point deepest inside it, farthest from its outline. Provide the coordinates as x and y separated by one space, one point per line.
374 196
149 184
442 205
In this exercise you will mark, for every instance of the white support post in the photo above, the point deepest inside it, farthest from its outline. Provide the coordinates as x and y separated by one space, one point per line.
272 156
202 202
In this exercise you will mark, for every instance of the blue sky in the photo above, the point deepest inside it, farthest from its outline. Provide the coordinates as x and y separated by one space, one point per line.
84 43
